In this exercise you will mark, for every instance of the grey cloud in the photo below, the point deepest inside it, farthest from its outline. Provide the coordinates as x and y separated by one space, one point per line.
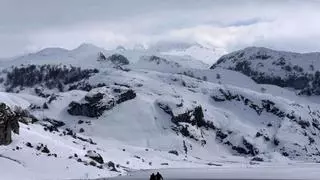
229 24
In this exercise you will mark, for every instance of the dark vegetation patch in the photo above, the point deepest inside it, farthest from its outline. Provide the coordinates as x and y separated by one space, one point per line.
49 76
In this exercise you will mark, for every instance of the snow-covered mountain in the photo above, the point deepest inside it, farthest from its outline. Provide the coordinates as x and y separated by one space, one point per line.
90 112
284 69
204 53
197 51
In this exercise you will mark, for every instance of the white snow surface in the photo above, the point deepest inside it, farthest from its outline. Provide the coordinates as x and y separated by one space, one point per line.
205 54
243 171
137 134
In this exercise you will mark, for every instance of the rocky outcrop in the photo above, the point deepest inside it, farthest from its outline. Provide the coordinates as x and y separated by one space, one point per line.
160 60
85 86
287 117
186 123
93 107
129 94
101 57
118 59
8 124
99 100
189 123
95 156
284 69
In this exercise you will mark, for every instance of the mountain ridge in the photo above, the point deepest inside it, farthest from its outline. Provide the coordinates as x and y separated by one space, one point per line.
284 69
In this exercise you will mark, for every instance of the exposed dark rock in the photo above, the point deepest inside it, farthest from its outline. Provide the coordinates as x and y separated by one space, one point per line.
303 124
266 106
285 154
42 148
266 138
101 57
220 135
112 166
8 123
92 163
118 59
45 150
240 150
28 144
160 60
86 109
194 117
81 130
174 152
95 156
34 106
91 108
122 85
52 125
45 106
251 149
258 134
213 164
38 92
128 95
166 109
183 121
85 86
95 103
52 97
276 141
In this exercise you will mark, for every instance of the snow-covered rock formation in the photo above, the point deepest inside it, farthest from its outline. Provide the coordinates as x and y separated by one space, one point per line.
284 69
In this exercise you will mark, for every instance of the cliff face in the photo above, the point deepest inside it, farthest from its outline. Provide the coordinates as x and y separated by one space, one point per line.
8 124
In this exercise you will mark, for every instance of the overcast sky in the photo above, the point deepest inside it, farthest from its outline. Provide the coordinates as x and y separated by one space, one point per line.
30 25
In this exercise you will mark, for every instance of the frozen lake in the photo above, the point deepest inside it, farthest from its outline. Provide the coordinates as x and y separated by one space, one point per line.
289 172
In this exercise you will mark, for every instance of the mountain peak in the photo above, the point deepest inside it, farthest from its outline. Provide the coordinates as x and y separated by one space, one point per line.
52 51
120 48
85 47
164 46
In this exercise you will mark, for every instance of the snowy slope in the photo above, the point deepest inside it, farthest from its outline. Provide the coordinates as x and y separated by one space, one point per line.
197 51
284 69
161 111
203 53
